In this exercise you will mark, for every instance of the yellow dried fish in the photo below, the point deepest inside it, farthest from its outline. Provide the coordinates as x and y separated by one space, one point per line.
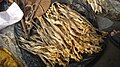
96 5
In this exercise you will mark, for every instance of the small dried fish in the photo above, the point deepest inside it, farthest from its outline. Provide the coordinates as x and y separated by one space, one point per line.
96 5
106 7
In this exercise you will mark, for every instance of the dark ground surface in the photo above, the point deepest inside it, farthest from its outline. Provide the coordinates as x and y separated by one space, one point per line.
111 55
110 58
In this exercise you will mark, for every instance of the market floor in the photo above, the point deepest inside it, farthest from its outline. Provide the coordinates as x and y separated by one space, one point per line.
111 55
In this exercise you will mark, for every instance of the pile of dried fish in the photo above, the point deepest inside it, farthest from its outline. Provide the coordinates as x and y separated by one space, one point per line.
110 7
96 5
61 34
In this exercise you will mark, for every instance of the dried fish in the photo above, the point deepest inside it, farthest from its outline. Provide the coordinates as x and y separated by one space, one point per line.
96 5
107 7
61 34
